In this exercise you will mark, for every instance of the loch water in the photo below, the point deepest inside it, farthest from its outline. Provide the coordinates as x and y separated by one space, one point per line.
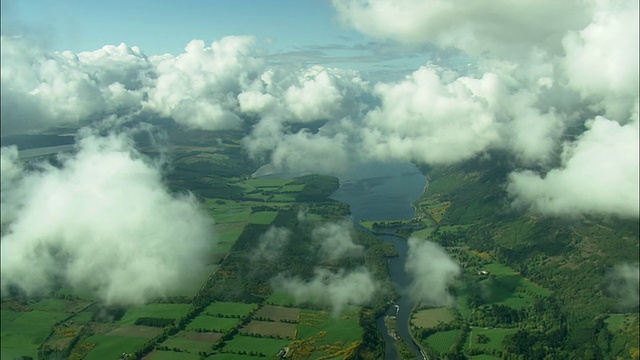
385 191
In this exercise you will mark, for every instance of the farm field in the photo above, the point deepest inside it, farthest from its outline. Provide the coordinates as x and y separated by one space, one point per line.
165 311
241 344
111 347
442 340
263 217
213 323
277 313
236 309
23 332
231 356
430 318
281 298
171 355
270 329
320 335
507 287
193 342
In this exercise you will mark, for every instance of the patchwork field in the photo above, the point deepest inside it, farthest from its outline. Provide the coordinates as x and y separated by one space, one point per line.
442 340
320 335
277 313
165 311
208 323
430 318
23 332
253 345
269 329
144 332
193 342
111 347
235 309
171 355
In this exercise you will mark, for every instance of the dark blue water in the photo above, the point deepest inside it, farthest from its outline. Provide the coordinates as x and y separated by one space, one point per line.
379 191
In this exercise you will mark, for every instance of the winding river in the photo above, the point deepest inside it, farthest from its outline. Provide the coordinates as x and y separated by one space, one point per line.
382 191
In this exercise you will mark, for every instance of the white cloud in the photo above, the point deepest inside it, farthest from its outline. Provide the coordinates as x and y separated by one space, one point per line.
625 283
599 174
433 272
199 88
503 28
601 59
334 240
338 290
105 223
432 119
271 244
41 90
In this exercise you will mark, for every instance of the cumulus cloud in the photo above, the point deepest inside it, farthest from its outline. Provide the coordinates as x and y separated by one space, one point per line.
432 271
504 29
334 241
625 283
288 102
338 290
199 88
601 59
102 222
429 119
599 174
271 244
43 89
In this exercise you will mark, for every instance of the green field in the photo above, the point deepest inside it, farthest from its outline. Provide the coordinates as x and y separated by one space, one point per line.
213 323
292 188
166 311
220 308
187 345
321 335
263 217
231 356
430 318
507 287
442 340
266 346
111 347
525 284
267 182
227 211
281 298
23 332
496 336
172 355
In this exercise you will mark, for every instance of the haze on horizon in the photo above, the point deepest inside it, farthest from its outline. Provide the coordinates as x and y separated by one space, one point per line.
553 84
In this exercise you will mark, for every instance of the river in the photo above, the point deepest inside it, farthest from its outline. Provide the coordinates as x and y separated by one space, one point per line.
381 191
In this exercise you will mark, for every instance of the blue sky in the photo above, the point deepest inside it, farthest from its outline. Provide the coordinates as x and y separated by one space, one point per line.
290 30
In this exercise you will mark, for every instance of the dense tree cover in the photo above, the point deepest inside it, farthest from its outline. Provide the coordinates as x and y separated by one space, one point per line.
316 187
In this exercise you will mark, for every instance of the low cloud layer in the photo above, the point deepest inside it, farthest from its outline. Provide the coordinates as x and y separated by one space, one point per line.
625 285
433 272
103 222
599 174
334 241
271 244
336 289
